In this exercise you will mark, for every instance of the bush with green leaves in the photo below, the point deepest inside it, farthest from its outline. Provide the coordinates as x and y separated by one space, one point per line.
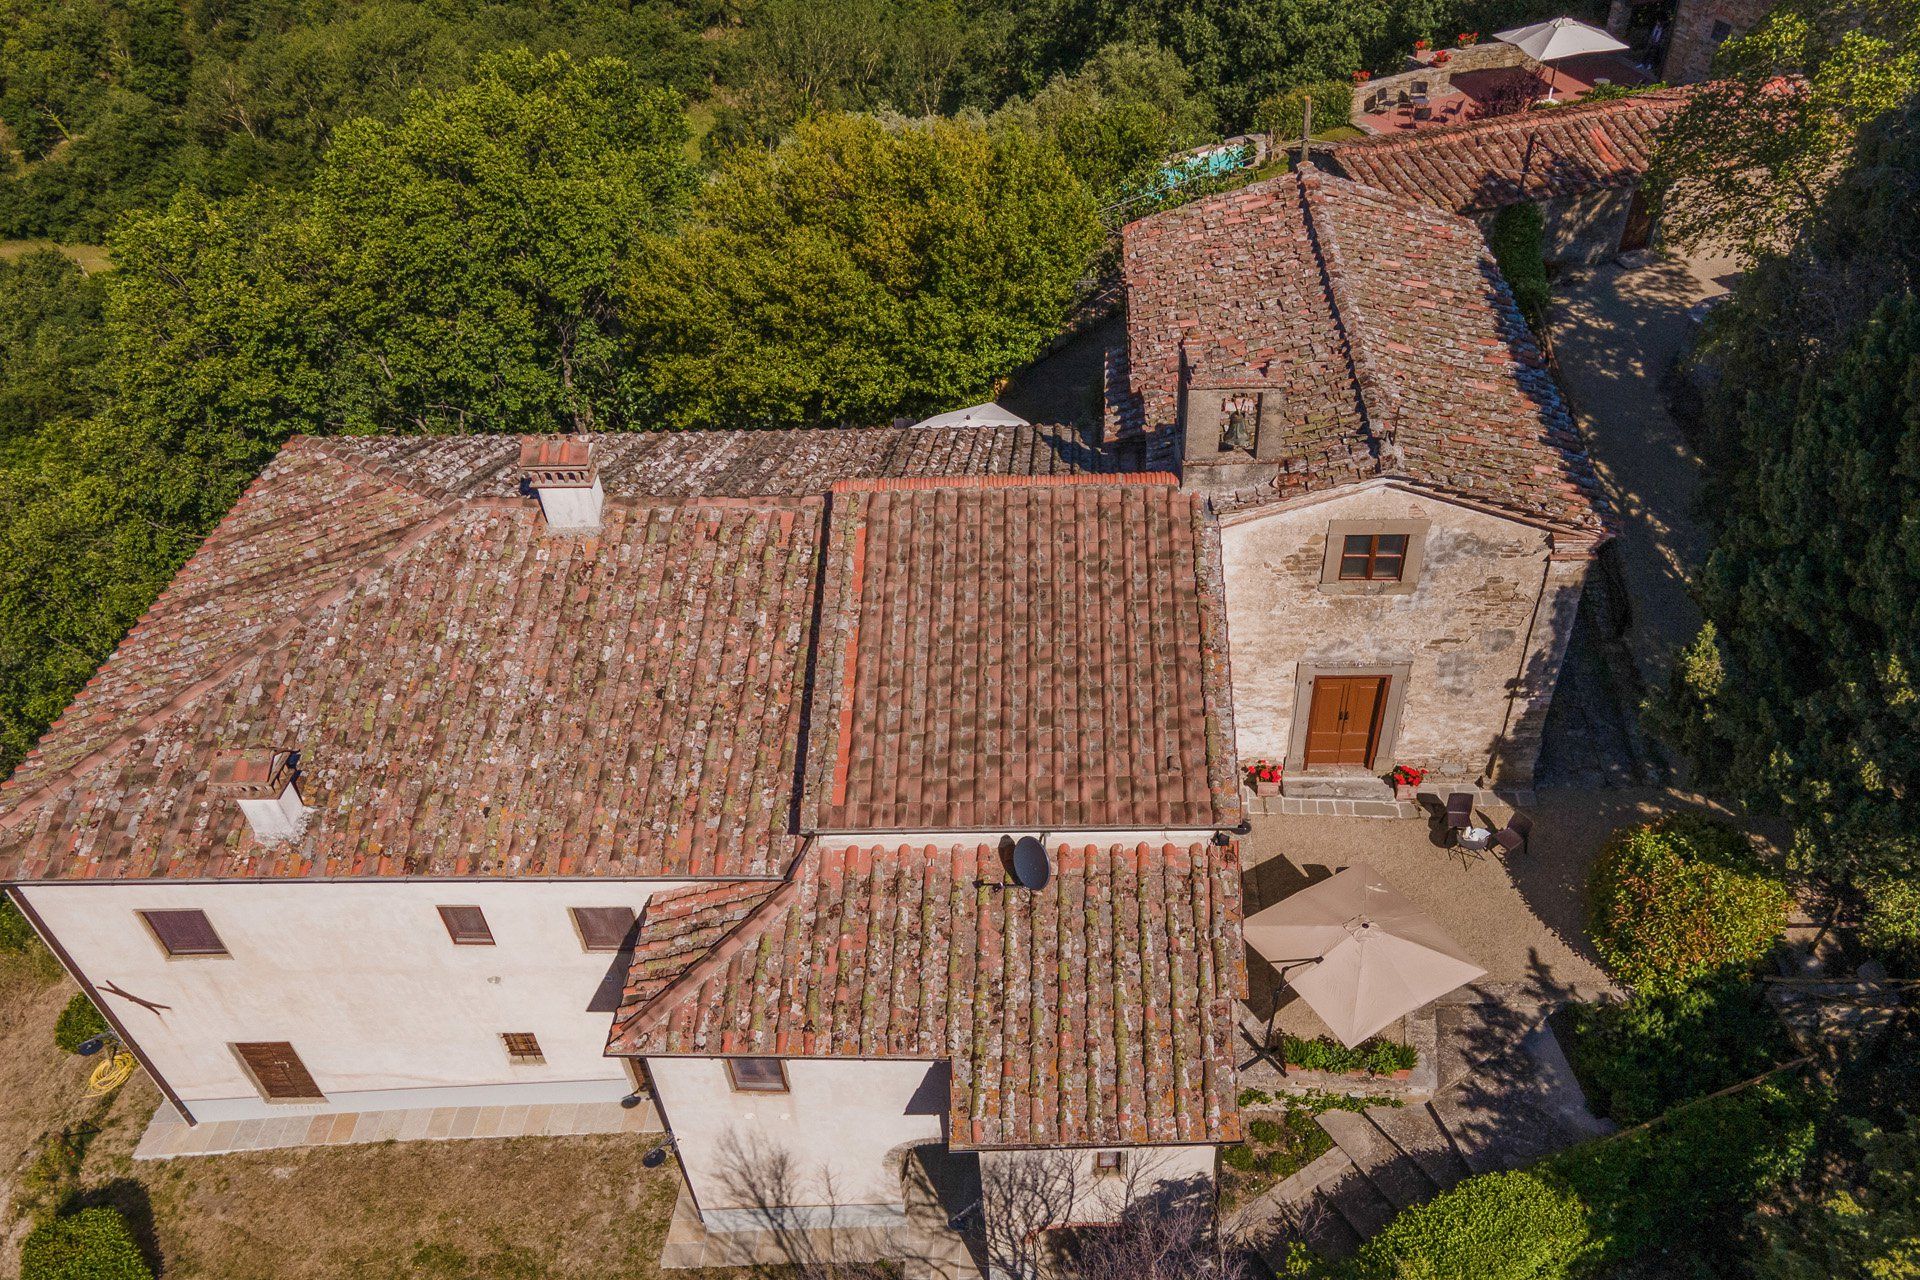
93 1244
1375 1057
78 1023
1504 1226
16 935
1892 924
1284 115
1518 238
1640 1057
1682 900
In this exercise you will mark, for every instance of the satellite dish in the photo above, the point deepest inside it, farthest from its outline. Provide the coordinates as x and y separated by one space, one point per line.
656 1157
1030 863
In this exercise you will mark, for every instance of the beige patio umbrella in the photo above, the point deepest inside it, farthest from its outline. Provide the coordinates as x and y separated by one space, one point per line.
1358 953
1548 42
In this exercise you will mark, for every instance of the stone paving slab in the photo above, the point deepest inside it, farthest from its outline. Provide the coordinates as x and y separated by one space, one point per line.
167 1136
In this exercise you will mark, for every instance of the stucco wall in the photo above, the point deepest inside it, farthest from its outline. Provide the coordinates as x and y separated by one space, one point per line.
840 1132
361 978
1461 632
1088 1196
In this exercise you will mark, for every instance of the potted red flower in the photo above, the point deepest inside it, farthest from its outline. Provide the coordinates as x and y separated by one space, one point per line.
1442 58
1421 46
1468 38
1406 779
1264 778
1361 77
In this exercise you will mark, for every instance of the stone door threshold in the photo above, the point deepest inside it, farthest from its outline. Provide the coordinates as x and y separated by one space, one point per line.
168 1136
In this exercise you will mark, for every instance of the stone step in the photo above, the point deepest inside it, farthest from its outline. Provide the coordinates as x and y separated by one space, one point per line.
1353 1197
1296 1211
1414 1129
1471 1130
1393 1173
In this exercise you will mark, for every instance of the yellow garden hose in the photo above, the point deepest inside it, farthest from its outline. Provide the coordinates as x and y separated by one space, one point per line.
110 1073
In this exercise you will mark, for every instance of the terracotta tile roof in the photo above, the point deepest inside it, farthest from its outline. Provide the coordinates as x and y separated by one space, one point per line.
1097 1011
741 464
1046 655
1534 155
1386 329
467 694
682 925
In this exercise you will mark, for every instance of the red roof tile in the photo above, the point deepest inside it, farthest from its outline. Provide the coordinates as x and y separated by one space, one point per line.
1387 330
1533 155
1099 1010
1042 655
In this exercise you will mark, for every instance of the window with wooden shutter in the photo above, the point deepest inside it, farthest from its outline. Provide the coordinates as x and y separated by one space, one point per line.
522 1046
757 1075
278 1071
1108 1162
184 932
467 926
603 928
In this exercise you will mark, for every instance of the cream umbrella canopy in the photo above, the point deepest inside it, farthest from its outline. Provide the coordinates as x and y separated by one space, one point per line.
1358 953
1558 38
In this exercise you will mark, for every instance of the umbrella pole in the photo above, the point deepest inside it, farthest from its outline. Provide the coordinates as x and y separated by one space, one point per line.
1553 80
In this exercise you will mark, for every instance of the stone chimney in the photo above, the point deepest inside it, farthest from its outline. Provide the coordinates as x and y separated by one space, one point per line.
564 475
263 783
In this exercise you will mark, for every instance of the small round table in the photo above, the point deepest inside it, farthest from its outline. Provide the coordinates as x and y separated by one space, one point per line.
1476 839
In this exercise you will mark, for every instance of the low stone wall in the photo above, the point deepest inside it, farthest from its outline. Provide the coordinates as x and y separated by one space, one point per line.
1386 90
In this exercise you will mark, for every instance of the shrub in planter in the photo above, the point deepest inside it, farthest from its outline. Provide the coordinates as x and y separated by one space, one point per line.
93 1244
78 1022
1678 901
1375 1057
1642 1057
1501 1226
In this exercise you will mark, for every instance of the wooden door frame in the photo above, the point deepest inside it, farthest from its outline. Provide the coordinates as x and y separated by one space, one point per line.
1395 674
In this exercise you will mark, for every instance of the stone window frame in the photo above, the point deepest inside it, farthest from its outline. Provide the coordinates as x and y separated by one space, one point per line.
1410 569
1396 675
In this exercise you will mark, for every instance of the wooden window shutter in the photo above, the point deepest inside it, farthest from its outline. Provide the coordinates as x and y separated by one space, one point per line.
184 932
467 926
604 928
522 1046
278 1071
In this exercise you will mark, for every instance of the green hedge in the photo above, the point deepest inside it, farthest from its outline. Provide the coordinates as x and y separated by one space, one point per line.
78 1022
1502 1226
1376 1057
93 1244
1518 238
1638 1058
1680 1193
1679 901
1892 923
1282 115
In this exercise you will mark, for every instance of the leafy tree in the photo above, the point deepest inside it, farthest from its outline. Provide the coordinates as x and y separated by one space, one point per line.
1118 117
862 269
1799 697
51 338
454 270
1871 1230
1753 152
1640 1057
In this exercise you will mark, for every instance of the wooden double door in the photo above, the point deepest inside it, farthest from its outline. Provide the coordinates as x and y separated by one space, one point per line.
1343 721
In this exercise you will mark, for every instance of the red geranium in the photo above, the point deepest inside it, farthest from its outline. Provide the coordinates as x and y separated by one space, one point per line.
1421 46
1263 772
1361 77
1408 775
1468 37
1442 58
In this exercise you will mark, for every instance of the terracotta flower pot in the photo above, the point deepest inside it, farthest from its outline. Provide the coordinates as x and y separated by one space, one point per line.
1404 790
1266 788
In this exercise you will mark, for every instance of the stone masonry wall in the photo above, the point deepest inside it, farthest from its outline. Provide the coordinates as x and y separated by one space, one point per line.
1463 630
1483 56
1692 44
1581 230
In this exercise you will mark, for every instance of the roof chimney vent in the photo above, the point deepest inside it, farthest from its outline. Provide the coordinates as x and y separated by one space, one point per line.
564 474
263 781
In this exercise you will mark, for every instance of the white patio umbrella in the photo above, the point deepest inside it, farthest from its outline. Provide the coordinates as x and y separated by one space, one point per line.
1558 38
1358 953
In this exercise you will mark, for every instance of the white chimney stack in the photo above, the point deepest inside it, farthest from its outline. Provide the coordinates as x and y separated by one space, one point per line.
262 782
565 476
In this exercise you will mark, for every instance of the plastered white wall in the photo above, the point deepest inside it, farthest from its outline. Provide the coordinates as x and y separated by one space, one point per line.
1463 628
362 979
1087 1196
841 1129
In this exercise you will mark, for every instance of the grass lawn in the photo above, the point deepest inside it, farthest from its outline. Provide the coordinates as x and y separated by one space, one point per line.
90 258
510 1209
